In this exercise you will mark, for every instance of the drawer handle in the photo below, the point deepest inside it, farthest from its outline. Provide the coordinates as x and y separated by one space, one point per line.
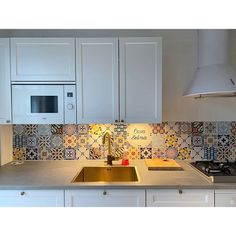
104 193
232 201
180 191
22 193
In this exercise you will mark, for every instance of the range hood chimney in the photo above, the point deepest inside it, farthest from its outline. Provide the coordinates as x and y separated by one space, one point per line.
214 76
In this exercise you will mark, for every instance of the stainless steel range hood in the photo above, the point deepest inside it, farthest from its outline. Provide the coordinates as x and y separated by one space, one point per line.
214 76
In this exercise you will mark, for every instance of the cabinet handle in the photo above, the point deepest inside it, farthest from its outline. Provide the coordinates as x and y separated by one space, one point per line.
116 121
104 193
232 201
8 121
180 191
22 193
122 121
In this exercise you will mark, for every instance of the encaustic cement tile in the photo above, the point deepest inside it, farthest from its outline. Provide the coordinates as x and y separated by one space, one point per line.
57 140
45 153
31 129
70 130
32 154
224 128
82 154
83 129
19 153
57 129
184 153
44 141
197 153
57 153
210 128
145 153
133 153
70 141
197 127
44 130
210 140
184 128
171 139
70 154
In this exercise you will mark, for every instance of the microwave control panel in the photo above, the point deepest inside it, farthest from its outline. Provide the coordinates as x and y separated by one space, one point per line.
70 104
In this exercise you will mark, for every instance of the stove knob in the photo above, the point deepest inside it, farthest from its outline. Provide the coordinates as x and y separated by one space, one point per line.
221 165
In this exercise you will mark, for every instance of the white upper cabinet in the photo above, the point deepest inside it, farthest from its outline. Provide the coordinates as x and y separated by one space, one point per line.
97 80
117 80
43 59
141 80
135 96
5 86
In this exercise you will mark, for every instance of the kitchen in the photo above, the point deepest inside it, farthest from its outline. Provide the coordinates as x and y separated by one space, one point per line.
67 110
73 107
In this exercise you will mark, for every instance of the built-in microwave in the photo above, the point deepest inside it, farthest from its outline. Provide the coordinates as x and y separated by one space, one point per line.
43 104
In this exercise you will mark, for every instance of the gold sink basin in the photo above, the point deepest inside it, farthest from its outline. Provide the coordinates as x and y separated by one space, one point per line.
107 174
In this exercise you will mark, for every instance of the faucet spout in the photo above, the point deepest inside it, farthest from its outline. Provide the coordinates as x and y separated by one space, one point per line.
107 137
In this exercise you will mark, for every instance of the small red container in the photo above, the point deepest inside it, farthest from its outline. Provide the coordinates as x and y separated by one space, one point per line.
125 162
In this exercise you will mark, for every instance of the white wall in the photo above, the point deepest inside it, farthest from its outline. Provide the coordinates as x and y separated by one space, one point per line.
179 63
5 144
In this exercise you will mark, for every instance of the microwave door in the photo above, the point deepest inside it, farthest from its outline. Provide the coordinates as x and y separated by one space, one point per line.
44 104
38 104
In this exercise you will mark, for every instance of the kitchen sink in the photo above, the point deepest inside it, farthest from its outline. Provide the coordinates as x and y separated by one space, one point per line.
107 174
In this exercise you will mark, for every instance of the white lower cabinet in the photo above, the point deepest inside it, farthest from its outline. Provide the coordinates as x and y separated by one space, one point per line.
32 198
119 198
225 198
105 198
179 198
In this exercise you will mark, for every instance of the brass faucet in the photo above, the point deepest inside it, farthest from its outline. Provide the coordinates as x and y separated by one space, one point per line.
107 137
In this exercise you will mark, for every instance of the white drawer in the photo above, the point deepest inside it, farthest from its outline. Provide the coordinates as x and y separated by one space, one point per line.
179 198
31 198
105 198
225 198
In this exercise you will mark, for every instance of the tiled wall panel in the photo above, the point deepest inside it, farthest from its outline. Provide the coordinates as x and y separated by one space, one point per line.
178 140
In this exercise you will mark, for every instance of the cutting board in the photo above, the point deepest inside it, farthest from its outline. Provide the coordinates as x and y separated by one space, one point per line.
162 164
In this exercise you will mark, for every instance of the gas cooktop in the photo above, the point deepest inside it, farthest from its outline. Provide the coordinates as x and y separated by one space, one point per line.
217 172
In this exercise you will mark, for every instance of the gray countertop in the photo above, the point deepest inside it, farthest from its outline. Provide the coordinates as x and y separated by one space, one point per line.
59 174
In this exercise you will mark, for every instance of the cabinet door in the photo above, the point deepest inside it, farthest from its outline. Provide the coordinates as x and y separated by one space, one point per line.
180 198
140 80
105 198
42 59
97 80
32 198
225 198
5 86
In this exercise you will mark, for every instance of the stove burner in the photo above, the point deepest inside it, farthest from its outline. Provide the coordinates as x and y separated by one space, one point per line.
214 168
219 172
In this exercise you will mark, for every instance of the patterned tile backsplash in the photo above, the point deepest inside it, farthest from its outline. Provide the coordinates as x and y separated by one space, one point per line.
178 140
